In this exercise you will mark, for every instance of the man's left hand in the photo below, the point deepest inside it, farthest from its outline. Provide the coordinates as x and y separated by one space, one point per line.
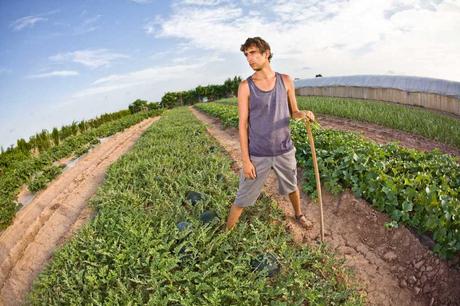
300 115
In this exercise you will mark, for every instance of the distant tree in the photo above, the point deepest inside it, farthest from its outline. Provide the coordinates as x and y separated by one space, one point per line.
169 100
153 105
55 136
74 127
201 92
22 145
235 84
43 140
138 106
231 87
82 126
318 76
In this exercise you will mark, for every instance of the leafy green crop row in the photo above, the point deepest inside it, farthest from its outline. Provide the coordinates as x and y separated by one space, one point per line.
419 189
38 171
137 251
433 125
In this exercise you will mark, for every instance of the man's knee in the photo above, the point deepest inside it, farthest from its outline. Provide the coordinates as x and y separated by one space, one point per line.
293 191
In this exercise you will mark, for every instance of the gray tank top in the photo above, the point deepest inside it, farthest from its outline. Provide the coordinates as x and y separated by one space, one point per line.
269 133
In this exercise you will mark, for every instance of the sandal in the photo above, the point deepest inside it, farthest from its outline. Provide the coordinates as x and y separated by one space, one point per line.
301 220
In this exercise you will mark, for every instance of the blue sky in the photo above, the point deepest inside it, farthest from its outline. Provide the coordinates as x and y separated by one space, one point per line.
71 60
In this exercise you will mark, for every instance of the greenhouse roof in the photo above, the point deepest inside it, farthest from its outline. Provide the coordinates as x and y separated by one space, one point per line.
407 83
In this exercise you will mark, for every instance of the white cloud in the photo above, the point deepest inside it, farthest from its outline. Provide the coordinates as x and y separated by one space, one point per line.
26 22
90 58
331 37
60 73
114 82
100 89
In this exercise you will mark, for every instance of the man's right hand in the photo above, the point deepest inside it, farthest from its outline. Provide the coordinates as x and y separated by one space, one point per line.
249 170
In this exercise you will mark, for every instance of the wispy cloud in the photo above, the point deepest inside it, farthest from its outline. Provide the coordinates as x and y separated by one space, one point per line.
202 2
26 22
30 21
60 73
88 25
147 76
90 58
141 1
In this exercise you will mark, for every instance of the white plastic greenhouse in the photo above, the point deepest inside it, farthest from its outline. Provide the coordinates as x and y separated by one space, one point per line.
432 93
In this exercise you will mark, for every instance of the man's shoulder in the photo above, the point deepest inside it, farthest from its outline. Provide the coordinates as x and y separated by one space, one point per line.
286 79
244 83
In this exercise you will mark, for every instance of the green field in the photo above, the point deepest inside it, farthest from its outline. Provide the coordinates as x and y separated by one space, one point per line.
134 253
433 125
419 189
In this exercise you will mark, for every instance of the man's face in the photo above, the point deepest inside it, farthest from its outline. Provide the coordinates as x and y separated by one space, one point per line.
256 59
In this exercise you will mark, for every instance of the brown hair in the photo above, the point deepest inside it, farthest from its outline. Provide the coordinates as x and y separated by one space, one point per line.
259 43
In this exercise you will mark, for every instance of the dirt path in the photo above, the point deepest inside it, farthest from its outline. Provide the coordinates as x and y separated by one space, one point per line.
392 266
385 135
54 214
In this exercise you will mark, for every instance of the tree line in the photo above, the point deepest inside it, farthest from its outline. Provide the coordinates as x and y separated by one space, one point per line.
201 94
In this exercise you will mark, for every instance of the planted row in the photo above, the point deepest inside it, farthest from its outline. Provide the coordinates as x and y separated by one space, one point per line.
38 171
419 189
154 241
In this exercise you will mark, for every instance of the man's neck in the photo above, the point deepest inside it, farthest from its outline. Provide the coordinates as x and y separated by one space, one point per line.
264 74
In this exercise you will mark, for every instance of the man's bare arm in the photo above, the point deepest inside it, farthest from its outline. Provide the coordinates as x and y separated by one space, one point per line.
243 113
295 112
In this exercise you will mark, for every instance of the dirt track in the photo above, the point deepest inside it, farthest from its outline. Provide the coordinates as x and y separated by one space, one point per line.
385 135
54 214
392 265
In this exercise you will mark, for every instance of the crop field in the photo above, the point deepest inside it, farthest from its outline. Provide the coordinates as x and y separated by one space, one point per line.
430 124
38 171
158 239
421 190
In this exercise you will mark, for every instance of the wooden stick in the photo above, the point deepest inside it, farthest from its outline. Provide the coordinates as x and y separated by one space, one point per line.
318 182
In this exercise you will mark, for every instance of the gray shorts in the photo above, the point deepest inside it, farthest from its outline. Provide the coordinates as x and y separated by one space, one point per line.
285 167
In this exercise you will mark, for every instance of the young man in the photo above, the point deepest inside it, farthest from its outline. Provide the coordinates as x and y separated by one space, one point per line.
266 102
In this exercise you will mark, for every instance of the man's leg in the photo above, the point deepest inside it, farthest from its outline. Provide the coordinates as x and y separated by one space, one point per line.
234 216
286 170
295 201
249 189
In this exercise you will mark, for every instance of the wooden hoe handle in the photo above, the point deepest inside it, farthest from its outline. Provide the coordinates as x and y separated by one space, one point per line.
318 182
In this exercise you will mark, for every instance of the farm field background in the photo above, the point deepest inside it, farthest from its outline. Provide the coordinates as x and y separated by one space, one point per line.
120 153
134 251
147 200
